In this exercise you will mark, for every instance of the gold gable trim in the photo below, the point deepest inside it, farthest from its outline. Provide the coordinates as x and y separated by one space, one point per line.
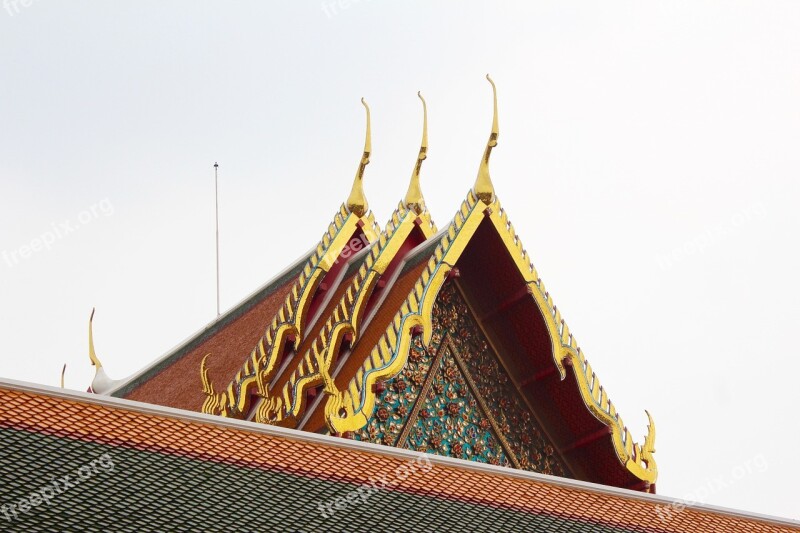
261 365
315 367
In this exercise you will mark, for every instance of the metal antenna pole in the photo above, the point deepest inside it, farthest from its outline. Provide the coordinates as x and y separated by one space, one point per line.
216 202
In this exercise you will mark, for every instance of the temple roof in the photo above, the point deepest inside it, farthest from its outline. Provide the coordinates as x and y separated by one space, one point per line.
355 309
140 467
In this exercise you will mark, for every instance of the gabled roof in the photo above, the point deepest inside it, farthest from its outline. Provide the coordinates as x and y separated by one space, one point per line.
499 276
352 403
346 329
140 467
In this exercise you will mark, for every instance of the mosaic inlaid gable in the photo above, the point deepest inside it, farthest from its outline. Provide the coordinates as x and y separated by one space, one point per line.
455 398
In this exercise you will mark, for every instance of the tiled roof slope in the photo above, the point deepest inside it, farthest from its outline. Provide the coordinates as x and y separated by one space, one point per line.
78 462
173 380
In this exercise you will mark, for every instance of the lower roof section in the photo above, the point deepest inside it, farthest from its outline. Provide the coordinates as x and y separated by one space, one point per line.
79 462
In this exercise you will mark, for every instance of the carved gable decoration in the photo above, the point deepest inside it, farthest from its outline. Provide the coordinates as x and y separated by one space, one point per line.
455 398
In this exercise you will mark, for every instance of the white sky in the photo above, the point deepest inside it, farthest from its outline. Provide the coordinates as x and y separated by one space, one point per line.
648 158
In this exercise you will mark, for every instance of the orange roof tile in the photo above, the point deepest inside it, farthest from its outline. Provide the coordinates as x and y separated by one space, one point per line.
114 424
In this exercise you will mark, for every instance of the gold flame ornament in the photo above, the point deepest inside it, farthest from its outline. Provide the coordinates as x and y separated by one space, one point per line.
101 383
357 202
414 199
92 355
483 188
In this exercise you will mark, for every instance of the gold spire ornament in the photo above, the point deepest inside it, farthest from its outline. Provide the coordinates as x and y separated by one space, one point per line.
357 202
414 199
92 355
483 188
63 370
101 383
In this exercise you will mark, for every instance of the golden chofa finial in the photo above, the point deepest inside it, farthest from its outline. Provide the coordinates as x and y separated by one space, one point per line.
414 199
92 355
63 370
357 202
484 189
101 383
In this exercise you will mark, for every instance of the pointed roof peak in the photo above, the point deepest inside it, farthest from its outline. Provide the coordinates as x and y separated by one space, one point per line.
483 188
414 199
357 201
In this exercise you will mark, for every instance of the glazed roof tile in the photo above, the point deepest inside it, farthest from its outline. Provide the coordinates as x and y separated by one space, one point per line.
168 469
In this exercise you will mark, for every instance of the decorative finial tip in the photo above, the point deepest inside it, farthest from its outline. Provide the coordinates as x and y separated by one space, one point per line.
357 202
489 78
483 188
414 199
424 107
92 355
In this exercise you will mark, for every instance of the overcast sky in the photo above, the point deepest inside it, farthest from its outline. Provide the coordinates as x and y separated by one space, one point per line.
648 157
